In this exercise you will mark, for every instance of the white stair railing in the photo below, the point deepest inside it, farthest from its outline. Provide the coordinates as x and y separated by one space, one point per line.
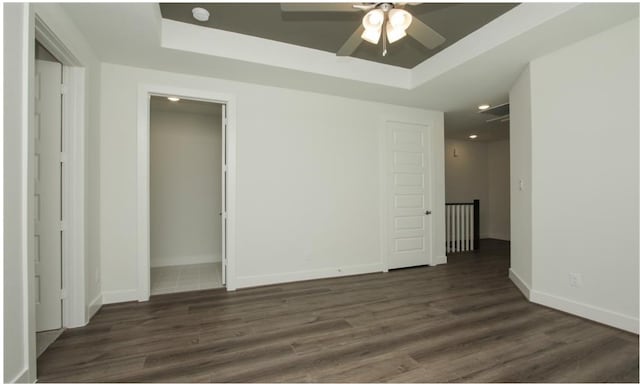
462 226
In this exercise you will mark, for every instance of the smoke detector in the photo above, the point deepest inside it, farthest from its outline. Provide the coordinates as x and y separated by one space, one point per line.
200 14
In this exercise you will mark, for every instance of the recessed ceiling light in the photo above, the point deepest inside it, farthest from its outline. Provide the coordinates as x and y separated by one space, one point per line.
173 98
200 14
483 107
473 136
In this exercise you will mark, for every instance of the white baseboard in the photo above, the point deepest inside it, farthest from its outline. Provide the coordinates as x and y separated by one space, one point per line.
119 296
500 236
22 377
437 260
94 306
520 284
184 260
258 280
600 315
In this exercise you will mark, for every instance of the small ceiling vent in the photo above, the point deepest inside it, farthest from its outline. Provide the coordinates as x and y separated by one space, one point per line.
497 113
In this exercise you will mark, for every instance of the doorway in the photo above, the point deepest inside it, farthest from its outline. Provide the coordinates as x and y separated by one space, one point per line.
187 194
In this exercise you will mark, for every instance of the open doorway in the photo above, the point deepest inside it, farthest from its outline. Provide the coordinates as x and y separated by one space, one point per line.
477 181
187 196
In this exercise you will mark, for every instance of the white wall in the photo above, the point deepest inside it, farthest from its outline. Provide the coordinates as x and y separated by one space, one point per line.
186 188
480 171
584 161
520 181
19 309
16 324
585 173
308 184
499 193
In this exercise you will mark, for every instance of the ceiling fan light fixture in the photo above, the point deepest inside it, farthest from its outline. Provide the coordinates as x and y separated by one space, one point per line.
400 19
394 33
373 19
372 35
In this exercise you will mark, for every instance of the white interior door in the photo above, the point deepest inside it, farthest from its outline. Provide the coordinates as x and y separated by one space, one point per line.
48 195
408 194
223 216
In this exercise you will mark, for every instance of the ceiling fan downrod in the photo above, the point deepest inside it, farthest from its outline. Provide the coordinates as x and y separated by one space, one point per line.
384 43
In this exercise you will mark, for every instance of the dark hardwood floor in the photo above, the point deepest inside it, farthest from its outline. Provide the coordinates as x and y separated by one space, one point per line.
464 322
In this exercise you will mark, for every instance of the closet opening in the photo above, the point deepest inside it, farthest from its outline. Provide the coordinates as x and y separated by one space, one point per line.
187 194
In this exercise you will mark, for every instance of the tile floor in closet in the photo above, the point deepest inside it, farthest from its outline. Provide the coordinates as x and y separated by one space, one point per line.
182 278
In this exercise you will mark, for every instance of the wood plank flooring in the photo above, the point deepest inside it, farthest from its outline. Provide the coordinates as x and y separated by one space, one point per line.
463 322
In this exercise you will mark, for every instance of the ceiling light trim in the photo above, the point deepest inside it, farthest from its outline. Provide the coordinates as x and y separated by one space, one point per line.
215 42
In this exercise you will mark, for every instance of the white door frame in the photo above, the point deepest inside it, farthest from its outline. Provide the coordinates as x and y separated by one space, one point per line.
74 305
384 187
144 245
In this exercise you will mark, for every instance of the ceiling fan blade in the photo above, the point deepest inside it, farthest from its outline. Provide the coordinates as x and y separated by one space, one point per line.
352 43
364 6
318 7
425 35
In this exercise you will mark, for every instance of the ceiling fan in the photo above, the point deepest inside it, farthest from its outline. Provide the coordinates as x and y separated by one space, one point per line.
387 20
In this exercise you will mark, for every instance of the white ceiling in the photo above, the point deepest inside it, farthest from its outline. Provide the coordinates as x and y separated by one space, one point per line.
477 69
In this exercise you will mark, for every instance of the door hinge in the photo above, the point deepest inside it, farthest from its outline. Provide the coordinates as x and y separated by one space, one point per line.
63 294
224 215
225 168
61 225
63 89
63 157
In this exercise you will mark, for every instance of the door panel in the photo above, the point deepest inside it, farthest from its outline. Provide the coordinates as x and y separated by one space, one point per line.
408 195
48 196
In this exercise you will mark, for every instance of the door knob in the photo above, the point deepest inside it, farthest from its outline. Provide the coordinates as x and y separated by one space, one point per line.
427 212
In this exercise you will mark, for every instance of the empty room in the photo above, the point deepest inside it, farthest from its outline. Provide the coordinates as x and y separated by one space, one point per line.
321 192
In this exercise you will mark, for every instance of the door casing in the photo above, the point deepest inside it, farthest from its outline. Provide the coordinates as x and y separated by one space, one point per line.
385 194
145 91
75 312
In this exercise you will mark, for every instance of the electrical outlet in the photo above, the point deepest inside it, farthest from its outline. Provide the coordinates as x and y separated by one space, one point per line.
575 279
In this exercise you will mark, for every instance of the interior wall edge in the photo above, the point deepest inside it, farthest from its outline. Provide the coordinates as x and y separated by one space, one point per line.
520 283
440 259
94 306
597 314
119 296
